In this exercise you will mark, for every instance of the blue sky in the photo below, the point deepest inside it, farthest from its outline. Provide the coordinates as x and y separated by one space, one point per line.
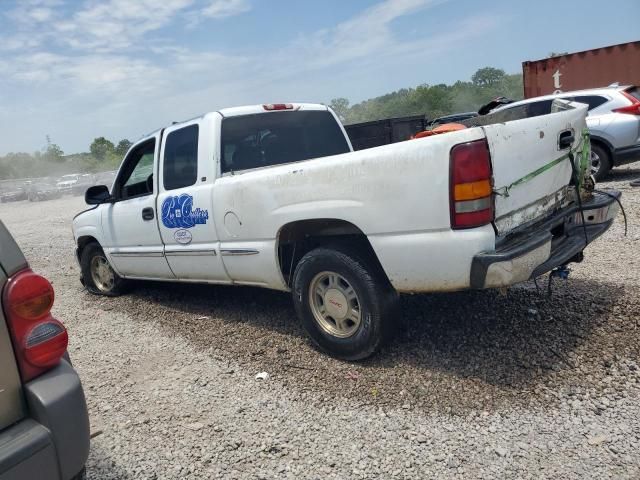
78 69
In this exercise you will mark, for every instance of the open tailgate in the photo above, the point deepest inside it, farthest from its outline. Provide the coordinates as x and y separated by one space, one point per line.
531 168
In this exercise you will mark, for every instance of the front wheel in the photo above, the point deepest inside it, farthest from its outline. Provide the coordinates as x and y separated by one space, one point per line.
344 302
97 275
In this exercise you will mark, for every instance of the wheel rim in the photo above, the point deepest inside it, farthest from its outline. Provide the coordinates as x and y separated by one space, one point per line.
595 163
102 274
335 304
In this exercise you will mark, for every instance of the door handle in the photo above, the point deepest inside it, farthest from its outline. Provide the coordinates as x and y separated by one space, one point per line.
566 139
147 213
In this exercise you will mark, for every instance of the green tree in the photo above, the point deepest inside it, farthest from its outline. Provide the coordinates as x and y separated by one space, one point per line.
341 107
488 76
435 100
101 147
52 152
123 146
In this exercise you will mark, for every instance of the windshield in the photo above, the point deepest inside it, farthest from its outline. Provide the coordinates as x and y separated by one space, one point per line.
266 139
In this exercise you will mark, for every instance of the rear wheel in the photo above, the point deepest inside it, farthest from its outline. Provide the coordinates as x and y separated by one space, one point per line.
344 302
81 476
600 162
97 275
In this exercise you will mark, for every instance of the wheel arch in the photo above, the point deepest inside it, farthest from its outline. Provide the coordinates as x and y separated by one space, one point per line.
83 241
297 238
604 143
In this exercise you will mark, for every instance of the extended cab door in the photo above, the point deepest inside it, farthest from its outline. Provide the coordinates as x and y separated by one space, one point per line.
187 173
130 223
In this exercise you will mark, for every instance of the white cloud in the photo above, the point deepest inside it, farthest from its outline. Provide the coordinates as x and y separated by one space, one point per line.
117 24
226 8
121 73
367 34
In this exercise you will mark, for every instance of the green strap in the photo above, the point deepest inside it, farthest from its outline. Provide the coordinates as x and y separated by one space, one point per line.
584 159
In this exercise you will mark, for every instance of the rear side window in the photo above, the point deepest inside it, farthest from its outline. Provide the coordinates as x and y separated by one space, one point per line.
592 100
527 110
634 92
266 139
180 167
535 109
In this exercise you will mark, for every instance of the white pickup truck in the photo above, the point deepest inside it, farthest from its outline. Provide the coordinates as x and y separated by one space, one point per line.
273 196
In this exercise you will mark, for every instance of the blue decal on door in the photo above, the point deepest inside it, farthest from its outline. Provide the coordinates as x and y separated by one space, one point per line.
178 212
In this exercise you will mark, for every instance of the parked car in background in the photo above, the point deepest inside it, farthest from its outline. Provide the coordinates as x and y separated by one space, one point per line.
84 181
453 118
613 121
66 182
44 424
13 193
42 191
105 178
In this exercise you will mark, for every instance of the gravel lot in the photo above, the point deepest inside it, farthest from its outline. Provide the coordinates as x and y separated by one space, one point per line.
477 385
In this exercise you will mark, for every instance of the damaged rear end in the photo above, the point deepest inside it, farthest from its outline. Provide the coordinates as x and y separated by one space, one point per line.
545 210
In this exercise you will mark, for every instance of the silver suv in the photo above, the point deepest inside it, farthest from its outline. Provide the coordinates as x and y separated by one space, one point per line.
613 121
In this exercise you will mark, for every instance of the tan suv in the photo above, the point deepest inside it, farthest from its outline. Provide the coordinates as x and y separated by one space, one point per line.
44 425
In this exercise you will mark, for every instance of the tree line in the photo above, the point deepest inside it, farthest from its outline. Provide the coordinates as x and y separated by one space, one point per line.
434 100
51 161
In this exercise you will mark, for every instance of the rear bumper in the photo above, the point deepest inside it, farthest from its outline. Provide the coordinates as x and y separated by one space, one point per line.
53 442
556 241
626 154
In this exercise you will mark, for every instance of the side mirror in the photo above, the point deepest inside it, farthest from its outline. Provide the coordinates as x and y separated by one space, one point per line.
97 194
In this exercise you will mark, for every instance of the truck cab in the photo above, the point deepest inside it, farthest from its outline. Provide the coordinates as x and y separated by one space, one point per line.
166 217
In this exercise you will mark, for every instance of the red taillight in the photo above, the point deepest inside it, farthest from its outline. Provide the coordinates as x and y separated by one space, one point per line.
471 191
277 106
39 340
633 109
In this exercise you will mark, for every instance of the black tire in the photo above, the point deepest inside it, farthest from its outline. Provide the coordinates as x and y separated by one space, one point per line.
81 476
376 302
89 253
604 162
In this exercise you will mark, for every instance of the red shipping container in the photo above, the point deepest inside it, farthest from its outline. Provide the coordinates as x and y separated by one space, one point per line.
588 69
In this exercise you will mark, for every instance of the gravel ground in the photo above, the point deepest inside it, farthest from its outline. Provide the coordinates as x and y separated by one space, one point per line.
477 384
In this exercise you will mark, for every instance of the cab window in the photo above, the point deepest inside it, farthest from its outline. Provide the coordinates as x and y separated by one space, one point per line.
267 139
136 177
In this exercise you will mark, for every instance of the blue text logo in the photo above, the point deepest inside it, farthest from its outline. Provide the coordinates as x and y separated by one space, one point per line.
178 212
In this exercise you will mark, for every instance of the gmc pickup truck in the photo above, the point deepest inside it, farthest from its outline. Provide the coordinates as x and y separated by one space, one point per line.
273 196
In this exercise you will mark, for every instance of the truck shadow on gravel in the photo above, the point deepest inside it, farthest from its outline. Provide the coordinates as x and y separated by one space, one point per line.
476 346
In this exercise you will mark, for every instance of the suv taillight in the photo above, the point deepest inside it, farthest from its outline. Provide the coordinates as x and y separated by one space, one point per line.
633 109
471 190
39 340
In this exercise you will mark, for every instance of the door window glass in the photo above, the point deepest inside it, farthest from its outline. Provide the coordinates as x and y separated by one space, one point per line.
136 178
181 158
